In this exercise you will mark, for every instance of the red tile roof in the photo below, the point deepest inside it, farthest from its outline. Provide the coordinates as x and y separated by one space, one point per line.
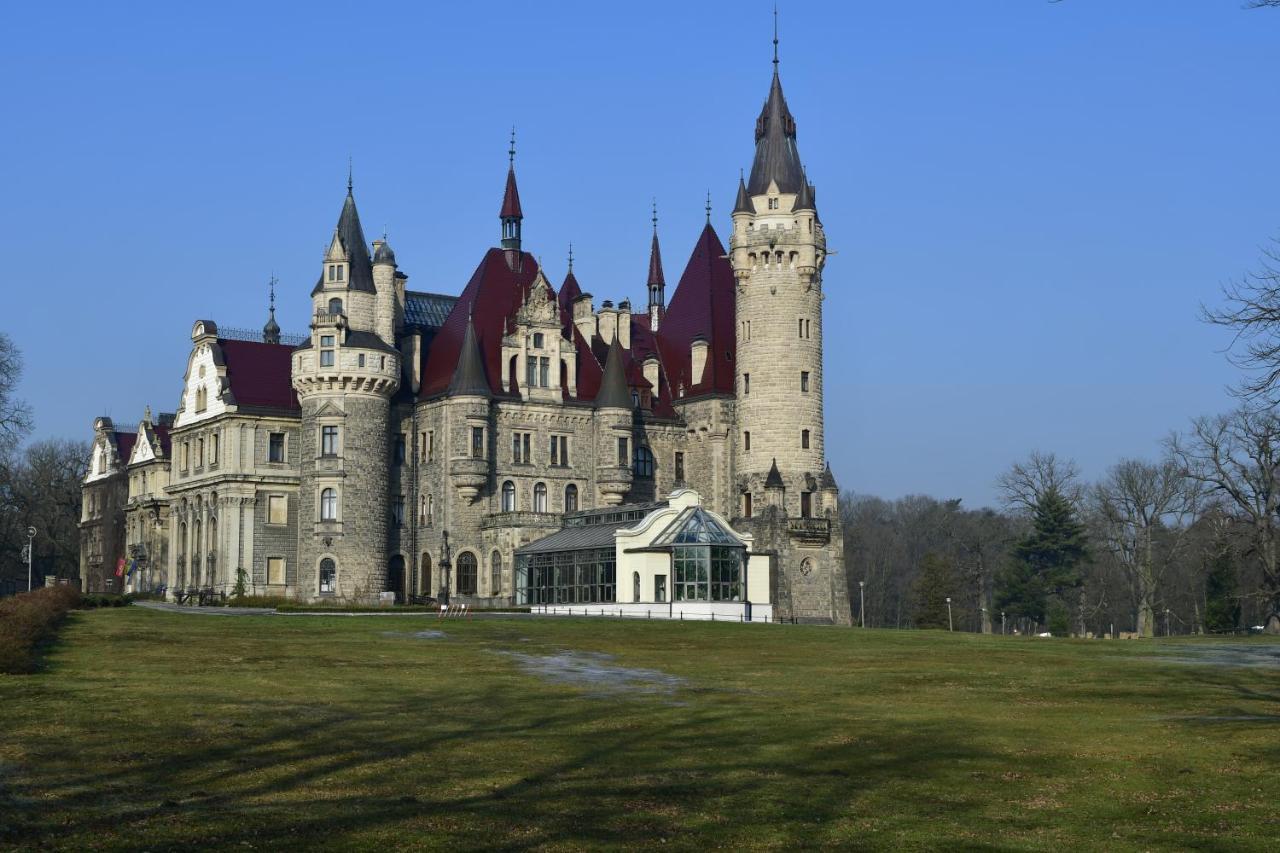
124 445
511 198
702 307
260 374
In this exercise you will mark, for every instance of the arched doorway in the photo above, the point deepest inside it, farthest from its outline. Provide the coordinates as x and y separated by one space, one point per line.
395 577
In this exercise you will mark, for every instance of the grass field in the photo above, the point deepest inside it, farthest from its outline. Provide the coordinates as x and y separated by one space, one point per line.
158 730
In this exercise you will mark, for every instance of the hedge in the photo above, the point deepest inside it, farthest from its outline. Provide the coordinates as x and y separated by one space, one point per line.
28 619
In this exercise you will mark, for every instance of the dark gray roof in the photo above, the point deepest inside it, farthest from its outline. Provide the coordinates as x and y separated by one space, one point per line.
742 204
383 254
576 538
468 376
351 234
827 480
777 158
614 393
774 480
367 340
804 201
427 310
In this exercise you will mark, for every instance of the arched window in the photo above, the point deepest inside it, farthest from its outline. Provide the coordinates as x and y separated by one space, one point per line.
642 462
335 306
328 577
466 573
571 498
329 505
213 536
424 575
508 496
540 497
635 586
495 573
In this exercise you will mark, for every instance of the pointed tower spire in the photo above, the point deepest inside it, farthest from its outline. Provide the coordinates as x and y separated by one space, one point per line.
468 375
271 331
742 204
657 282
511 214
777 158
614 393
708 207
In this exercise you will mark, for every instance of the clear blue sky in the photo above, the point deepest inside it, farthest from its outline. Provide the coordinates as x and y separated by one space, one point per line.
1029 200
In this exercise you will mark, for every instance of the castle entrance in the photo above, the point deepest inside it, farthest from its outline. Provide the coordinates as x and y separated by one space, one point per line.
395 578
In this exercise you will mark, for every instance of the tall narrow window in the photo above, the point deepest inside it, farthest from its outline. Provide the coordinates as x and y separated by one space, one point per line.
508 496
329 505
275 447
679 466
746 440
326 350
477 442
555 450
564 450
515 448
397 511
544 372
199 452
531 372
495 573
466 573
623 455
540 497
804 439
806 504
333 272
213 449
746 504
800 330
635 586
528 454
328 441
746 383
400 447
340 272
804 381
328 577
571 498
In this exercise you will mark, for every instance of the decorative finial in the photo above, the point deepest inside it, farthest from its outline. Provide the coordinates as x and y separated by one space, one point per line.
708 207
350 170
146 414
775 38
571 257
272 285
655 216
511 153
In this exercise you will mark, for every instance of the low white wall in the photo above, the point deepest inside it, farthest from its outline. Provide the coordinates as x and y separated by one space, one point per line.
718 611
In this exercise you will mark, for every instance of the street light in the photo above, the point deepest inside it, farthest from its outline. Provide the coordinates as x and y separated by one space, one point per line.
950 627
31 538
984 624
862 603
1001 623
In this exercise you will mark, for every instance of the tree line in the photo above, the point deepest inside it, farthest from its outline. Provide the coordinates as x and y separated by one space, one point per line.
39 488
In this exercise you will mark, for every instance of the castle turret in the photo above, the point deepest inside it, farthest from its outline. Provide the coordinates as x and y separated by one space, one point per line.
657 282
344 376
777 251
271 331
511 215
613 426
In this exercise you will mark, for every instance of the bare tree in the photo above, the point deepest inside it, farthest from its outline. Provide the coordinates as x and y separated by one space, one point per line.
1236 458
1026 482
1135 501
15 416
1252 310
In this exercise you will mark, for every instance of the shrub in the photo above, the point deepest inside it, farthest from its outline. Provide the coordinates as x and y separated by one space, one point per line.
28 619
91 602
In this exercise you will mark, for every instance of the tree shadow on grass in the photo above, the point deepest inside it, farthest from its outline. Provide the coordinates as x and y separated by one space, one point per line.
523 771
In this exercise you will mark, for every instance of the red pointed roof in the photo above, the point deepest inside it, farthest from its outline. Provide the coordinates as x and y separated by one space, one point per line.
124 445
702 307
569 291
655 262
511 198
492 296
260 374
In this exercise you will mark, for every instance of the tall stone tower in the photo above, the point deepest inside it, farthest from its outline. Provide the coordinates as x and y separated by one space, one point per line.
345 376
778 250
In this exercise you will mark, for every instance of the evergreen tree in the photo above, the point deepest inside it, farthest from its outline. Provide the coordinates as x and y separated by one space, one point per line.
1047 563
1221 604
937 582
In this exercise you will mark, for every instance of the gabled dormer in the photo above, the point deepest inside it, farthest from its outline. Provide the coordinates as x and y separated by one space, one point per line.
538 360
206 391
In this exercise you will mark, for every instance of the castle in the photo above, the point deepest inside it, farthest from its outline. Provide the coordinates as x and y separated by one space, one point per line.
412 441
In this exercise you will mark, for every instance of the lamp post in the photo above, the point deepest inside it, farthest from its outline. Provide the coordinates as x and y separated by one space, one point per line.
444 569
983 620
1002 632
31 538
950 627
862 604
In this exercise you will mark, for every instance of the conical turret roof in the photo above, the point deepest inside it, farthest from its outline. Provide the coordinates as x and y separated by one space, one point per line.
777 158
774 479
742 204
350 235
655 262
511 198
468 376
614 393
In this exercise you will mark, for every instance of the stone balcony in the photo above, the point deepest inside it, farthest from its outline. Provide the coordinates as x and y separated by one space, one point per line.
614 483
547 520
469 474
810 531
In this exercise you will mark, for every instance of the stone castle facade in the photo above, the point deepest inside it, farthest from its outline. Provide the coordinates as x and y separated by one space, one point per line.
412 441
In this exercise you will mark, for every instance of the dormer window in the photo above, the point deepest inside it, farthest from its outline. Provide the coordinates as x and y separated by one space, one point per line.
333 272
339 272
773 204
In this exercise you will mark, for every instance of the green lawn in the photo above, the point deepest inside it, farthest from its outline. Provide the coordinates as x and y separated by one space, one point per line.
156 730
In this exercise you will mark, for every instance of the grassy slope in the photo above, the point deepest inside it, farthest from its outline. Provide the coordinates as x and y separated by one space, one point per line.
165 730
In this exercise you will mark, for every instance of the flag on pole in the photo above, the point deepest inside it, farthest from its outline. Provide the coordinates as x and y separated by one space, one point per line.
120 567
133 564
